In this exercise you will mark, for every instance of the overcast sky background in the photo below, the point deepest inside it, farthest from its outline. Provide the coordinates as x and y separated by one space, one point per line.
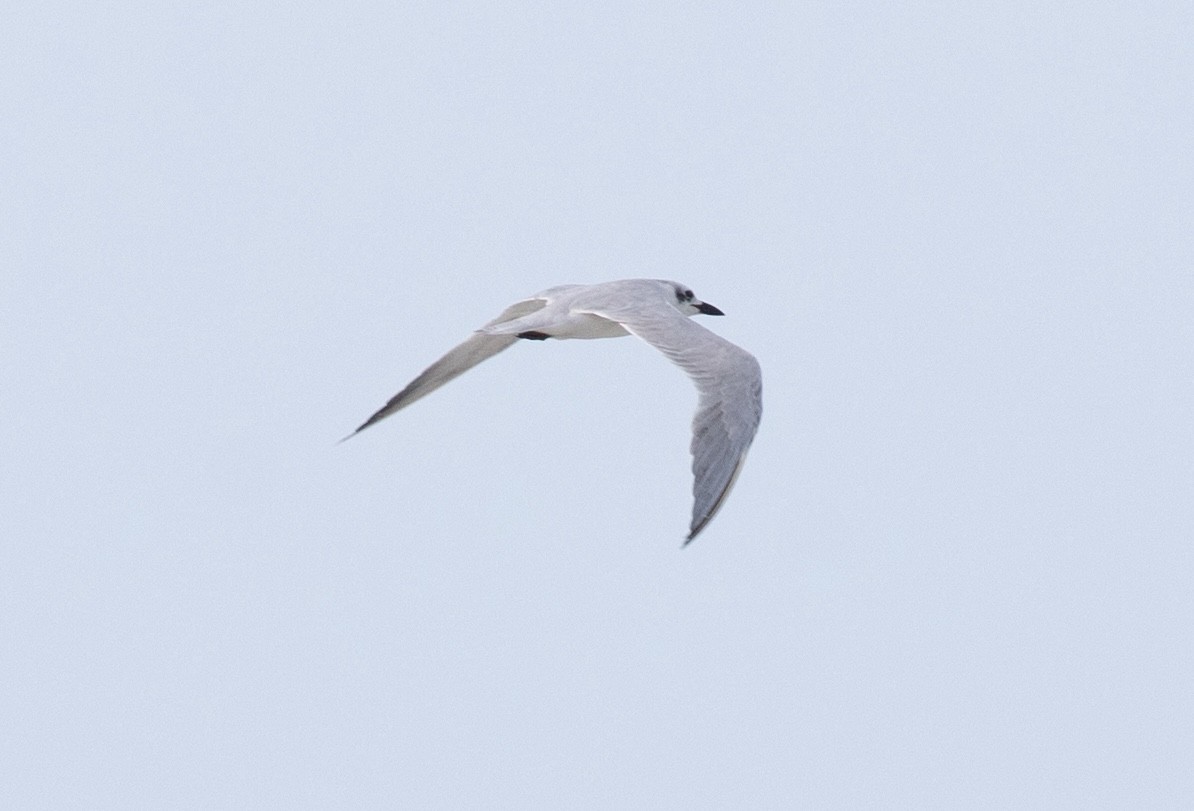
956 570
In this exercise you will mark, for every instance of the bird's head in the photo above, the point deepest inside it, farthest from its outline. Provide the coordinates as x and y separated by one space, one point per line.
687 303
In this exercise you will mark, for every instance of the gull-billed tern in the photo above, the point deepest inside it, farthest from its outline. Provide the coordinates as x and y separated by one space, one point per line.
727 377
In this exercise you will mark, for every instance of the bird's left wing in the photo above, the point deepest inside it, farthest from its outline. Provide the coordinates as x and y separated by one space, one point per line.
480 346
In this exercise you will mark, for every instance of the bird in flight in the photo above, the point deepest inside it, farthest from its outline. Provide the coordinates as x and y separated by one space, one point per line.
728 378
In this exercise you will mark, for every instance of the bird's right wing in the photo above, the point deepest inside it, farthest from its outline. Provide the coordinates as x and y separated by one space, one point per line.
480 346
730 406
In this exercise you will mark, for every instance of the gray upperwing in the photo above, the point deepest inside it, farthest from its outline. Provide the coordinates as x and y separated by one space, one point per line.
480 346
730 387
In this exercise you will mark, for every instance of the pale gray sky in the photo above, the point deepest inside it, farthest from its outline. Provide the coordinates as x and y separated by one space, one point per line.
955 572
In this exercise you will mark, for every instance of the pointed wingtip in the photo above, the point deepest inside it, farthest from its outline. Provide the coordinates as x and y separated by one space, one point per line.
380 415
696 529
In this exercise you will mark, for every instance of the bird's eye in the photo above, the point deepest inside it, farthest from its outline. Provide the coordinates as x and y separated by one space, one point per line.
688 295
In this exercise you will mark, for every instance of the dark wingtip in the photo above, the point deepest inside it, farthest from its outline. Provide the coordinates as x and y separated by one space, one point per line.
360 428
